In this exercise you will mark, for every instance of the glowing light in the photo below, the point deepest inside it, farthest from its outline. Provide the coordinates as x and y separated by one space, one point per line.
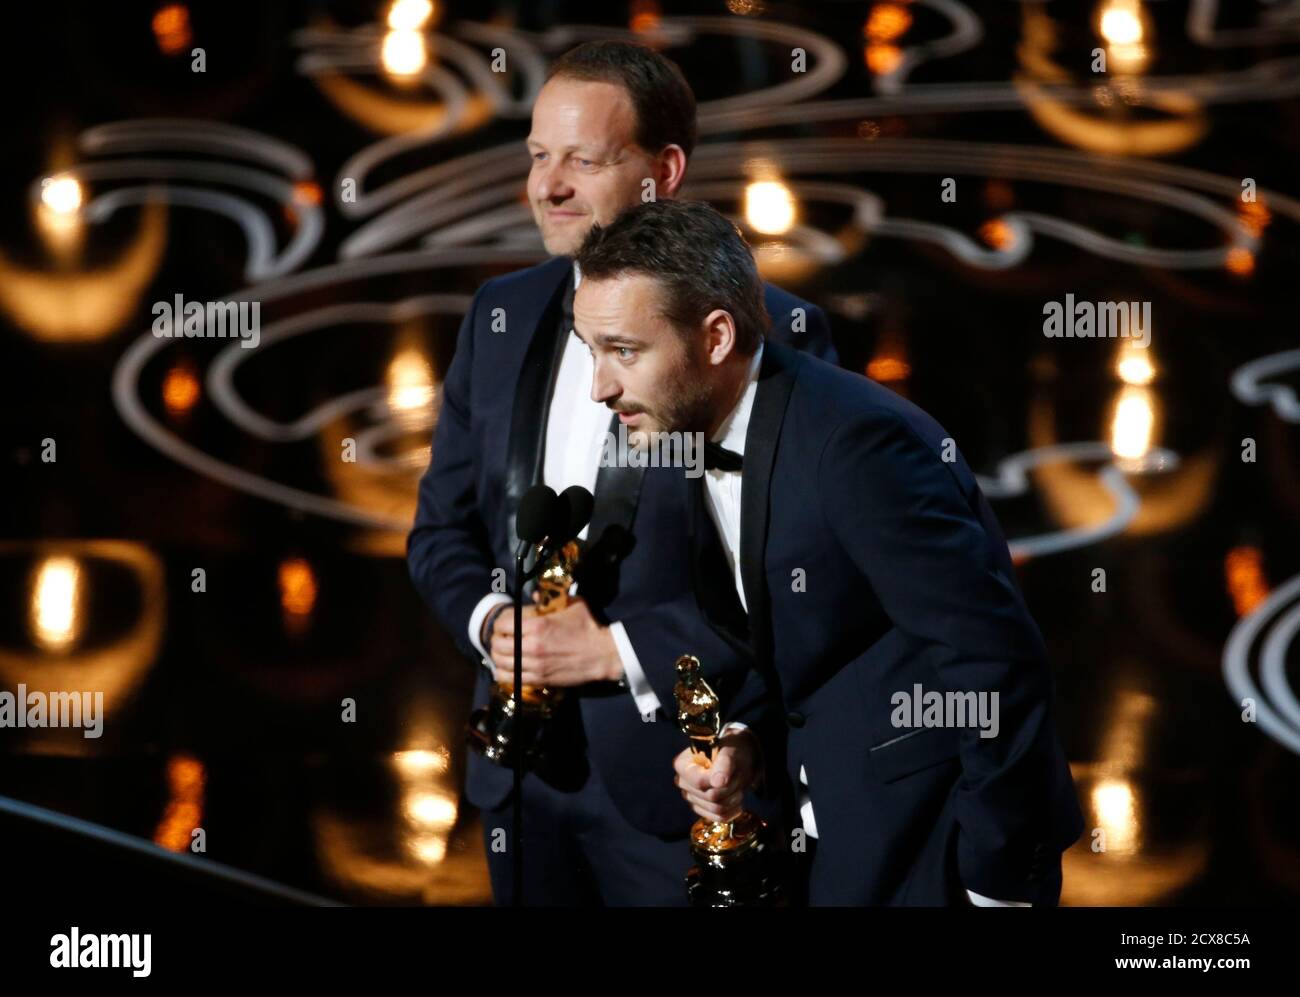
417 762
185 775
297 587
58 215
646 16
1133 425
882 59
55 603
1121 22
1116 809
308 192
1134 365
888 368
769 207
404 53
887 22
1240 261
1243 569
68 302
430 809
186 778
180 389
171 28
745 7
410 381
427 848
61 194
1128 59
1254 217
409 15
998 234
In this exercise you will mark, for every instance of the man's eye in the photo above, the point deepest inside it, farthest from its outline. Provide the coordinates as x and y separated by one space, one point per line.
626 353
538 157
584 163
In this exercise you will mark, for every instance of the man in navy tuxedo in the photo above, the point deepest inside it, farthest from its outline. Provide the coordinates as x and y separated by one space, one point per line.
840 536
601 823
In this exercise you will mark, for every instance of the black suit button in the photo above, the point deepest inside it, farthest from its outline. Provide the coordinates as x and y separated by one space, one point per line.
794 719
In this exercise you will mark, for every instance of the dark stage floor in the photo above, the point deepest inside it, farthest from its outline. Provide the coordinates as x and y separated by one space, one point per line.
1151 495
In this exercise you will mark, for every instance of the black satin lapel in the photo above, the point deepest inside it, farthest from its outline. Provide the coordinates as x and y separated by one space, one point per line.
533 400
618 490
610 538
775 382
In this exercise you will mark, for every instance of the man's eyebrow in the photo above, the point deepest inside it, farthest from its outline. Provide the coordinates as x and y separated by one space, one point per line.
614 339
609 339
590 148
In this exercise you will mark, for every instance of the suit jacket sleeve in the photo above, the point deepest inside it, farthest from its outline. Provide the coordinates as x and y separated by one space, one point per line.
448 552
915 526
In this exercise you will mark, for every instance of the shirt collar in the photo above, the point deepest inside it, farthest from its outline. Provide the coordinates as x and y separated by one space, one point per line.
731 434
577 275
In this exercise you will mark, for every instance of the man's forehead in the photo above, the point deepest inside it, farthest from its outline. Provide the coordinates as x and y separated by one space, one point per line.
600 111
624 289
619 306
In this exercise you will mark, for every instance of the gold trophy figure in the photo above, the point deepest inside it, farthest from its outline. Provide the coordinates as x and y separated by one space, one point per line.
508 724
732 863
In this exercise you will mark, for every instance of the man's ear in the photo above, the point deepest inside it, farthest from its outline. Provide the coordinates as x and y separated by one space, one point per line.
671 163
720 336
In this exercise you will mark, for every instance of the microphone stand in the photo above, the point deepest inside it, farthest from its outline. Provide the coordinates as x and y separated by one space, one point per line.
517 806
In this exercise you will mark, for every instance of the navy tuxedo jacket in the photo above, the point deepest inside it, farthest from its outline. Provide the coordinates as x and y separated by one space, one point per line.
487 451
871 564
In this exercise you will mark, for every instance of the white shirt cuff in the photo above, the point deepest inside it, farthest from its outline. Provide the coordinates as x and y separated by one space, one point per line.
980 901
643 693
485 605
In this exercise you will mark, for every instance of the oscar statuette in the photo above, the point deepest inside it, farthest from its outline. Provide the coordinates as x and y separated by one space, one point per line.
733 866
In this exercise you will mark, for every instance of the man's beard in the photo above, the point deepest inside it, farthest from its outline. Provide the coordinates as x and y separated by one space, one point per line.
686 405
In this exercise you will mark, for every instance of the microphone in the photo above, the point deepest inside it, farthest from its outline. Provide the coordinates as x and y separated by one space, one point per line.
573 509
536 516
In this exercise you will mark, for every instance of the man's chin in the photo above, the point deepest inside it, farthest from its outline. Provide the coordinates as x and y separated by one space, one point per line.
643 435
563 243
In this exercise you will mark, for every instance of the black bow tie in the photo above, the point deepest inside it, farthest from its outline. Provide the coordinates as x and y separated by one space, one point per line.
719 458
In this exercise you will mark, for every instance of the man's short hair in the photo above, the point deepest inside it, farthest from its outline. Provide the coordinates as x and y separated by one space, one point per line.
699 258
661 98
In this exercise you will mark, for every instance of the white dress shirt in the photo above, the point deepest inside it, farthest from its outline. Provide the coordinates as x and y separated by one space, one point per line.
575 439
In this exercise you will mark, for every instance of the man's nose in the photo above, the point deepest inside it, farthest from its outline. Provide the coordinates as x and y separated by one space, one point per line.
553 184
604 387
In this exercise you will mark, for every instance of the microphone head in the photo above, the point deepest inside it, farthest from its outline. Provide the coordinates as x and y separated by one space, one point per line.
536 516
572 513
